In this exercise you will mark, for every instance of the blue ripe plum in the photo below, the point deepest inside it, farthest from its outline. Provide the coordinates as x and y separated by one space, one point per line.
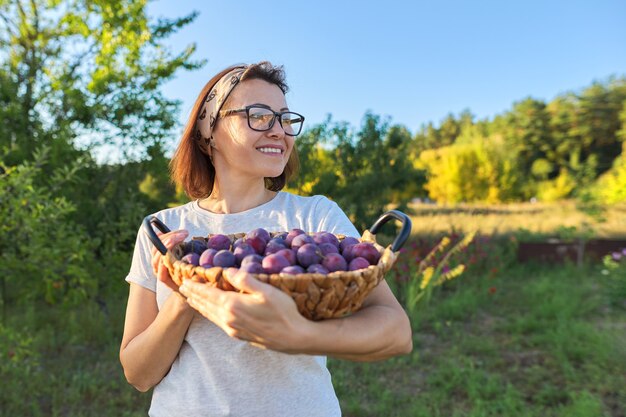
252 268
327 248
335 262
366 250
274 263
325 237
260 233
347 253
219 242
290 254
293 233
308 254
224 258
274 245
252 259
317 269
206 258
358 263
300 241
257 243
282 236
191 258
195 246
347 241
237 243
242 251
293 270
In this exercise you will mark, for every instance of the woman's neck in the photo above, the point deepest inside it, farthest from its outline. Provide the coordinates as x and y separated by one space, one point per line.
236 197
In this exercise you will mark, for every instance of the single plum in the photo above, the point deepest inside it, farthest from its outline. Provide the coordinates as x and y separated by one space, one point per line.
191 258
358 263
252 268
260 233
308 254
274 263
219 242
293 233
317 269
195 246
290 254
293 270
366 250
242 251
254 258
274 245
300 241
206 258
334 262
224 258
327 248
257 243
347 241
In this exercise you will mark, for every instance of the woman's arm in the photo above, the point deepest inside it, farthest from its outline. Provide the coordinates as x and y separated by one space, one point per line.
268 318
152 338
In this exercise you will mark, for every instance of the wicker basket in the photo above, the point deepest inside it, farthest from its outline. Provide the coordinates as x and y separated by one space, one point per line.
317 296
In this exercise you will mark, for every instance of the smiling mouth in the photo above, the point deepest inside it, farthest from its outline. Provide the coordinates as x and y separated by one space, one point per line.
273 151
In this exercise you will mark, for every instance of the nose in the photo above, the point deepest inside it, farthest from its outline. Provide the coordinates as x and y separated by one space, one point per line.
277 128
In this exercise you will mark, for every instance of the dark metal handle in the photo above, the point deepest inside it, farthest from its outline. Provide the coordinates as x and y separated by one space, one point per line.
405 231
148 221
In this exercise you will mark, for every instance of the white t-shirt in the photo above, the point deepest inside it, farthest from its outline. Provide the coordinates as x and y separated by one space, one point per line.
216 375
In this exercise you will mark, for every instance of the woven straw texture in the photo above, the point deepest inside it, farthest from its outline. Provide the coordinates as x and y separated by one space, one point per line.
317 296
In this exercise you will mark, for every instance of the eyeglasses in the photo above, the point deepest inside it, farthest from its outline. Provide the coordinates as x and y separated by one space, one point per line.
262 119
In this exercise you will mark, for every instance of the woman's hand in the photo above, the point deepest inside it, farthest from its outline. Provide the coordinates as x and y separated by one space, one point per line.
260 314
169 239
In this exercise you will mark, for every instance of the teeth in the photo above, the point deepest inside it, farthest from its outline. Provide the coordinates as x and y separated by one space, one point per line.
270 150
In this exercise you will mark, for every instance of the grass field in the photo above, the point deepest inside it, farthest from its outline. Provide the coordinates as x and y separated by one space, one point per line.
504 339
543 219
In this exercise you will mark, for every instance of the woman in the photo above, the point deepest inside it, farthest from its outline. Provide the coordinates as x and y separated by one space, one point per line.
255 355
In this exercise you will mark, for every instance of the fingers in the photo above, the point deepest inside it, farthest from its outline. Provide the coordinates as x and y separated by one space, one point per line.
244 282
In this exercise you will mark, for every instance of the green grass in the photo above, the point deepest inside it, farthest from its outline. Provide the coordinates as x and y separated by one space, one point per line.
547 342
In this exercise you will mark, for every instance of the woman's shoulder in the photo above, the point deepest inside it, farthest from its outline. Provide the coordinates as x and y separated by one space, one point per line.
174 212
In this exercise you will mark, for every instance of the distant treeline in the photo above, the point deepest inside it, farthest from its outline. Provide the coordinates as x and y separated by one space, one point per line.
548 151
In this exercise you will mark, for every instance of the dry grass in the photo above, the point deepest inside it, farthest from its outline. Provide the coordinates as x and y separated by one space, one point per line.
542 218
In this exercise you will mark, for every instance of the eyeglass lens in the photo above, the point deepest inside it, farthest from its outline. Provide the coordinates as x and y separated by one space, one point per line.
263 119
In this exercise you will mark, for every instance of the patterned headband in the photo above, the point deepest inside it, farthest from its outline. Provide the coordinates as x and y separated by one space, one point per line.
212 106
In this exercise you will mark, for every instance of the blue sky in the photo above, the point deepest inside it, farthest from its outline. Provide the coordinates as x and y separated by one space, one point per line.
412 61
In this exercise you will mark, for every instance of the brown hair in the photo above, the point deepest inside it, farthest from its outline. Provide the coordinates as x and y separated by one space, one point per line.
192 170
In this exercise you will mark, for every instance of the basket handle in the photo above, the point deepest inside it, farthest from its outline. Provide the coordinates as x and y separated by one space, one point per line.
405 231
148 221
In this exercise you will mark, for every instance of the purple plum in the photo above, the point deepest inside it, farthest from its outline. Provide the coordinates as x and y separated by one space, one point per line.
347 241
252 268
195 246
327 248
317 269
290 254
206 259
224 258
254 258
300 241
325 237
191 258
260 233
293 270
358 263
242 251
293 233
366 250
335 262
308 254
274 263
219 242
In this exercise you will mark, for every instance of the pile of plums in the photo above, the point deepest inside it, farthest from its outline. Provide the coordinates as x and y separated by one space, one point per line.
294 252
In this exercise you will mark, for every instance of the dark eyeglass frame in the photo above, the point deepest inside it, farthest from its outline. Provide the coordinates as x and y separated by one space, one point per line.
277 115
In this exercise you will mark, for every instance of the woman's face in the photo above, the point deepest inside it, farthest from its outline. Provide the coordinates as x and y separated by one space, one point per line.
239 150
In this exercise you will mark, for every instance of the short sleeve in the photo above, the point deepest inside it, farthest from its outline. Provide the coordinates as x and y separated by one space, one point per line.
334 220
141 272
